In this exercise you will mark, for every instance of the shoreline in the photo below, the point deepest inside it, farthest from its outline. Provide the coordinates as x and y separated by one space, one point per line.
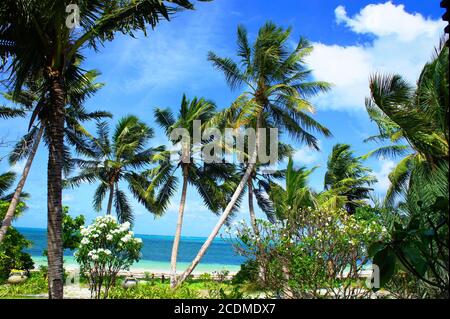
147 266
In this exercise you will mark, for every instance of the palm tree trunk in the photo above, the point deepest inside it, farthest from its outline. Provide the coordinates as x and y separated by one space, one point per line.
16 197
251 209
176 241
54 194
227 211
110 199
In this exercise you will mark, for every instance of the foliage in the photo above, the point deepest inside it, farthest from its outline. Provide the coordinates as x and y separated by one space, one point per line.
249 272
419 246
106 248
414 122
113 161
12 255
148 291
347 177
71 230
320 254
34 285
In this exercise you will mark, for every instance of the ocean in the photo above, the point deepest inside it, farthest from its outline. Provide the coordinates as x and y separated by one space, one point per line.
156 252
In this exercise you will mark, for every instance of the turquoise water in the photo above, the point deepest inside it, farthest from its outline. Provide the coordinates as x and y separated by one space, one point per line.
155 252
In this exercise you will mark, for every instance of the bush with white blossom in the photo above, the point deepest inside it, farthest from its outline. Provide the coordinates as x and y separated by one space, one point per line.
320 253
106 248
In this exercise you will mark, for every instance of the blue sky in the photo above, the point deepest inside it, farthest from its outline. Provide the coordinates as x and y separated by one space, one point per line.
352 40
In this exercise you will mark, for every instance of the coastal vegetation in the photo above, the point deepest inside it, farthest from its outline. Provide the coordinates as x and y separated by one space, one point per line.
339 242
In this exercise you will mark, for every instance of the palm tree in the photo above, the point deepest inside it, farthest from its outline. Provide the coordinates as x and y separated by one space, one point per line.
112 162
347 177
6 181
35 41
295 196
74 131
204 177
414 123
278 85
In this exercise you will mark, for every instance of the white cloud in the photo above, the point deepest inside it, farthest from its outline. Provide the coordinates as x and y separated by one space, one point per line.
403 42
389 19
382 175
307 155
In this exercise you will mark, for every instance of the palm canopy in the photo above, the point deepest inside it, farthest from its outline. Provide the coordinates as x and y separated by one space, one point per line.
296 194
34 37
277 80
6 181
111 161
213 181
76 135
414 123
346 176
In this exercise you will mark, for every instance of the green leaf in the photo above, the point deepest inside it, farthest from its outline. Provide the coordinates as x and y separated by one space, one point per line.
413 255
385 259
375 248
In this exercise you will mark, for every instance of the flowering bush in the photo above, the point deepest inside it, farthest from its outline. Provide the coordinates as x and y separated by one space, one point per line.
319 254
106 248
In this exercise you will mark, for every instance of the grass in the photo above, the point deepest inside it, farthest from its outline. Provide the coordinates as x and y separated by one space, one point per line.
34 286
204 287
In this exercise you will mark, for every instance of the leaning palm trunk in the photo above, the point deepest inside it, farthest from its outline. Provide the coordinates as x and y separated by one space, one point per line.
54 184
219 225
227 211
176 241
251 209
16 197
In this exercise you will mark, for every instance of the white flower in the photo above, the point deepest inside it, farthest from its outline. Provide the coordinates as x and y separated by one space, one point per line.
125 238
85 241
138 240
94 257
109 237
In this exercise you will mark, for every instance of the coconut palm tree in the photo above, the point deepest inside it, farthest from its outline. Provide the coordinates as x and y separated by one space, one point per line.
278 90
347 176
296 195
212 180
75 133
413 121
112 161
39 38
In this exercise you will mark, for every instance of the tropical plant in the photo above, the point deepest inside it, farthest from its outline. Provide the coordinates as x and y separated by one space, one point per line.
71 230
12 255
279 88
120 159
347 177
288 201
205 177
75 133
106 248
419 245
320 254
36 41
414 121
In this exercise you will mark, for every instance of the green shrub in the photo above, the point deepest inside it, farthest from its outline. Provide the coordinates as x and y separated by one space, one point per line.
12 255
248 273
36 284
148 291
